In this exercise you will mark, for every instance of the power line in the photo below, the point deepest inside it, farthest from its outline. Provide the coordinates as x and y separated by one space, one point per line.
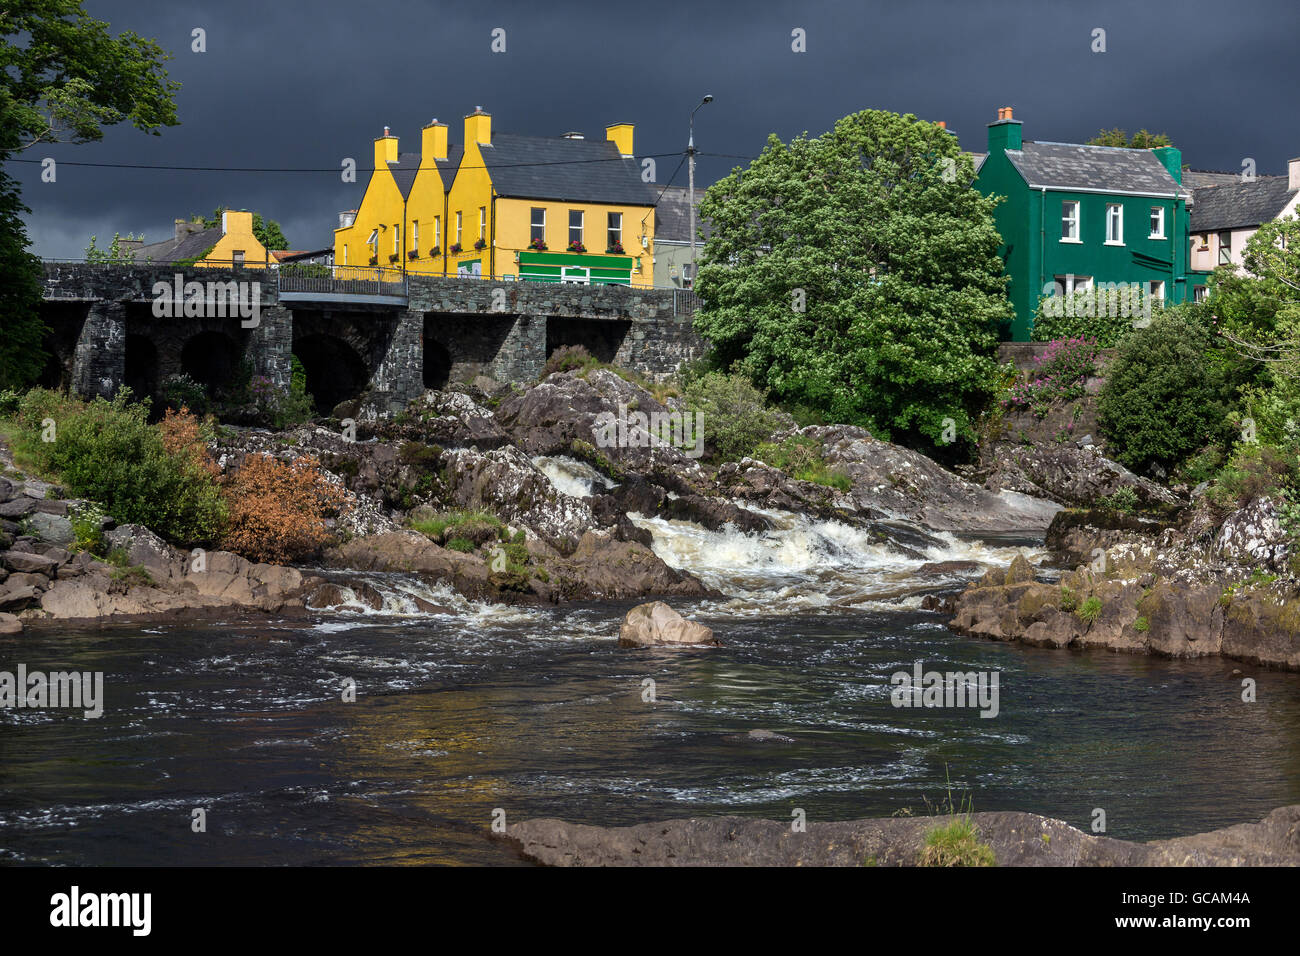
332 169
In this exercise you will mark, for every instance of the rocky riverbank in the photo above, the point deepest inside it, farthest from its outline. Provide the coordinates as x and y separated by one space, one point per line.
1016 839
1199 586
562 509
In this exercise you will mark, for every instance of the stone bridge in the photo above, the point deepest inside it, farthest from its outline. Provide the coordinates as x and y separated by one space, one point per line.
381 341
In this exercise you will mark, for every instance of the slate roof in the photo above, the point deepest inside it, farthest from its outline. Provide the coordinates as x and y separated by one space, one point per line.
1101 168
556 168
189 246
1197 178
1239 205
673 214
408 164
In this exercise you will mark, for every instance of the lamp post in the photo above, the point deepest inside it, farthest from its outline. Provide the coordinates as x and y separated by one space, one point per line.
690 159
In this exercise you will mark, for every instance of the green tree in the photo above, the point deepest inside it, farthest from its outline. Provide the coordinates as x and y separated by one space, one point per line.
114 252
63 78
857 274
1165 395
1142 139
267 231
21 328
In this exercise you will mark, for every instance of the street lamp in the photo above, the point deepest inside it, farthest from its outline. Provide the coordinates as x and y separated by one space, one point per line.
690 156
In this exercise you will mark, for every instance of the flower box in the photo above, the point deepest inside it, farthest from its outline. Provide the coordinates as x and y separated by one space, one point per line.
413 254
576 246
480 244
456 249
374 260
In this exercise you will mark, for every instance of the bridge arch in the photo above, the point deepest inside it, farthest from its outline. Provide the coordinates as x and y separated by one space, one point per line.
437 364
140 366
334 371
212 358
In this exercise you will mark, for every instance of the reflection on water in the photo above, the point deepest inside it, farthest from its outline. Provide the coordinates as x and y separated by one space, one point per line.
538 712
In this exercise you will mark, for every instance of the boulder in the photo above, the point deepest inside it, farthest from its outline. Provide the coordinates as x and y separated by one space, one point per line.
50 527
16 560
657 625
1253 537
9 624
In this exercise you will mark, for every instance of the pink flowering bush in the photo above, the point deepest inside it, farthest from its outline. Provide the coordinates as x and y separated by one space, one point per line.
1059 374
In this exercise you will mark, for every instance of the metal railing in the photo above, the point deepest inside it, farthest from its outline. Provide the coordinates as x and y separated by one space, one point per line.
342 280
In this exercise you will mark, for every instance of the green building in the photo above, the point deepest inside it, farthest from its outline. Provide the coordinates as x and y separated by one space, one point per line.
1085 217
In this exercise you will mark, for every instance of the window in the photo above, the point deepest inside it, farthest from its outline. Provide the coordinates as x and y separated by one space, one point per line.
437 232
1156 290
237 257
1200 293
1157 222
1225 248
345 255
575 226
1070 284
482 222
459 223
415 236
537 224
1070 221
575 275
615 230
374 238
397 238
1114 224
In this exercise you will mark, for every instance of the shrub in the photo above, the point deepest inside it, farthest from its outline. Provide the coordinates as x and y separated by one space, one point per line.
107 452
1124 500
1090 610
735 417
1164 397
278 511
956 844
800 456
1142 625
1069 600
567 358
182 391
1254 472
1104 315
87 522
1059 374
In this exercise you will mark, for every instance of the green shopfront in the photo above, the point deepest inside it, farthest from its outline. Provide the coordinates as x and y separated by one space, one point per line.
575 268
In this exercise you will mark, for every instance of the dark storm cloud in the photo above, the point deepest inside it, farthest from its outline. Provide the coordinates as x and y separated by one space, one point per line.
306 84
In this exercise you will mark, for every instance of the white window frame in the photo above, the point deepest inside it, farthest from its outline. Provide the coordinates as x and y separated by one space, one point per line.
613 233
397 238
1200 293
374 238
482 223
1156 290
415 236
1158 218
460 227
1224 247
1071 283
575 275
1111 209
1071 213
581 227
533 224
437 232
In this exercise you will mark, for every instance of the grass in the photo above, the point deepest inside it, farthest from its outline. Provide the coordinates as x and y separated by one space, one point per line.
957 842
456 529
1090 610
1069 600
801 457
1142 625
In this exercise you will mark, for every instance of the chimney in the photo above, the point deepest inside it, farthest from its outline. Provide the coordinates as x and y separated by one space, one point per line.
184 228
572 134
1293 174
478 127
238 221
385 150
347 217
1172 158
1005 133
620 134
941 124
433 141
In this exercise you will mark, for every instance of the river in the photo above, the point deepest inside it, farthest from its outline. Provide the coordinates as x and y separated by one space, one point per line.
537 712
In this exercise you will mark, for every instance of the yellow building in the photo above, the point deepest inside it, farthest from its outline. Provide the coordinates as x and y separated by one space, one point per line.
230 243
551 209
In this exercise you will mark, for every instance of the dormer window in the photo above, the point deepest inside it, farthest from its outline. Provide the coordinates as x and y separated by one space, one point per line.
374 237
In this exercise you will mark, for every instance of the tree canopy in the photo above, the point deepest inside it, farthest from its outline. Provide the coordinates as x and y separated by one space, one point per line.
267 231
857 275
63 78
1142 139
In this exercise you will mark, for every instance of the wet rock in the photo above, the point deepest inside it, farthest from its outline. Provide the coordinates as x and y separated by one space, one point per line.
759 737
657 625
1016 839
1020 571
1072 475
9 624
946 568
16 598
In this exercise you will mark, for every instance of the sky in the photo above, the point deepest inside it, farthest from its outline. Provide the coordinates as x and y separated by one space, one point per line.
304 85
